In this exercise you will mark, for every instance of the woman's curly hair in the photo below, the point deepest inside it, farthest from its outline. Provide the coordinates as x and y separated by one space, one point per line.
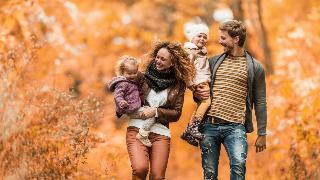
184 69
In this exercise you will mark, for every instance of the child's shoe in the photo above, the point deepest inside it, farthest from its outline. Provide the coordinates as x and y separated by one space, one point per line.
193 129
143 137
190 139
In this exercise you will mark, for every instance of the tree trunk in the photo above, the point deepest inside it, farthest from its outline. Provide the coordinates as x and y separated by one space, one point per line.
209 8
264 41
238 14
237 9
167 11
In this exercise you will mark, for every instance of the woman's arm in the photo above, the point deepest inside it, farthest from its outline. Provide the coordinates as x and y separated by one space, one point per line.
166 115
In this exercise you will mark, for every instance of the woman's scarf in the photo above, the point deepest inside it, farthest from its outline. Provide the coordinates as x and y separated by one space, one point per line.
159 80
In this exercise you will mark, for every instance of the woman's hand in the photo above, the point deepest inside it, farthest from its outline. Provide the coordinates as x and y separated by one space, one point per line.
135 115
148 112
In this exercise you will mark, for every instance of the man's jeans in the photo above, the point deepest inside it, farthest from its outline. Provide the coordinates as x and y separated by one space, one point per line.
233 137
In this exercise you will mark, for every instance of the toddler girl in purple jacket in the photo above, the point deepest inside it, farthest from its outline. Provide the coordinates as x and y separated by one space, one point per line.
126 92
125 86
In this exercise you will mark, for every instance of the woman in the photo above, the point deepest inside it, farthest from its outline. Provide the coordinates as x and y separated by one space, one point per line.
164 84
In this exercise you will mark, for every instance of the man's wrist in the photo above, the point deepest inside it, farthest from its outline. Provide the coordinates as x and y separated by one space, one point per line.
262 133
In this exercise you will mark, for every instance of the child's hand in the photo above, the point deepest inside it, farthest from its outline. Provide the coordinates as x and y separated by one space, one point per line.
192 57
123 104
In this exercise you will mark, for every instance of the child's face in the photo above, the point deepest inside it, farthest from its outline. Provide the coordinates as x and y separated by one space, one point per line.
200 40
130 71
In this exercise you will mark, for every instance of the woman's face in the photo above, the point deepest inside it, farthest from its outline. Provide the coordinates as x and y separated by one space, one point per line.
163 60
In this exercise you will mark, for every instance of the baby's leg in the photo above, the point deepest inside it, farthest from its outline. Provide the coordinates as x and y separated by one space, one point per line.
148 123
193 127
202 108
144 131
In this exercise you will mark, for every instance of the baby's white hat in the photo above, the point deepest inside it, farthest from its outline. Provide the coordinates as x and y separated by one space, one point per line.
192 29
189 45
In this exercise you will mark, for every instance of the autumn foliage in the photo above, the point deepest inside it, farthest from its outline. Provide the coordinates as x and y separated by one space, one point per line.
57 121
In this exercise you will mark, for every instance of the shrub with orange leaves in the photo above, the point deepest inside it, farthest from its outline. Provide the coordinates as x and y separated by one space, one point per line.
44 133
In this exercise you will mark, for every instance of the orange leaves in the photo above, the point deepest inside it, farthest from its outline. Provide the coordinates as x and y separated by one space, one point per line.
57 139
286 89
48 48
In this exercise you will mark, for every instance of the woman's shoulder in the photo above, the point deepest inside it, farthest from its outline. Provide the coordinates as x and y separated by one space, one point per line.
181 85
140 76
141 80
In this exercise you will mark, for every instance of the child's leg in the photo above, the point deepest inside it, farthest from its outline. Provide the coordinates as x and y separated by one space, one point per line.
187 134
145 130
148 123
191 134
202 108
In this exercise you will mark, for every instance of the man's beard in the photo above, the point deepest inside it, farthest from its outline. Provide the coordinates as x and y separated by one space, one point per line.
227 49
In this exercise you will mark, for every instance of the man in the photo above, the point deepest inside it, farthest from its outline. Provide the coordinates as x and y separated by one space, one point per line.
238 85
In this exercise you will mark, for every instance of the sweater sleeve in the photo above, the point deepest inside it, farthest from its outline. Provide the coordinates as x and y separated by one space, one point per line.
119 92
259 99
172 114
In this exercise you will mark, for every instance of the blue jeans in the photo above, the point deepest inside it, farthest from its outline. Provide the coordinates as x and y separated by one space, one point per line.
234 138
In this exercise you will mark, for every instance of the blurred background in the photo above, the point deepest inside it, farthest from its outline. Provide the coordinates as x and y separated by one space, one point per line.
57 121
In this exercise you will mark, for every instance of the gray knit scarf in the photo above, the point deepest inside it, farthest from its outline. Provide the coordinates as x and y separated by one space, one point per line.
157 80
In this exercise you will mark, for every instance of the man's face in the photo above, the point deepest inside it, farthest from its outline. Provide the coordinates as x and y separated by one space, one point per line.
227 41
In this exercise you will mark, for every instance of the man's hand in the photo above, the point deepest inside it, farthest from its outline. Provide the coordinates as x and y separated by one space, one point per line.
261 143
202 92
123 104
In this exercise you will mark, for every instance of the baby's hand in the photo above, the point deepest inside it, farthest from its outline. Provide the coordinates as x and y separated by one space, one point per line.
192 57
123 104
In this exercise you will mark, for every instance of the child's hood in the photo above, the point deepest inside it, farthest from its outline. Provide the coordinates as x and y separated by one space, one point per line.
112 84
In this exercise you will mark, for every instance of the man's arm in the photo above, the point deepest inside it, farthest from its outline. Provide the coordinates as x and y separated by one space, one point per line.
260 106
259 99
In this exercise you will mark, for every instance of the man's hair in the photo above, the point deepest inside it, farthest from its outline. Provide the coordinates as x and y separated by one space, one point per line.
235 28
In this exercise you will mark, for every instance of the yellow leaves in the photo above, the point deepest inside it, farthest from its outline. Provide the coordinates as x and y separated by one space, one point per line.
80 53
9 24
277 156
286 89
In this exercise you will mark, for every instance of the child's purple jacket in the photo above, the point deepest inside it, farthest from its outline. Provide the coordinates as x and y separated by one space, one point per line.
125 90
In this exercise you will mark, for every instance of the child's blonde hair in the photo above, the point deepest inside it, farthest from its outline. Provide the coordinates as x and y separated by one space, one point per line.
123 60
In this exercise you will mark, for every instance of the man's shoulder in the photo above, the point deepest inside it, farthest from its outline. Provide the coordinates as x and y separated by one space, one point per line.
257 64
257 67
215 57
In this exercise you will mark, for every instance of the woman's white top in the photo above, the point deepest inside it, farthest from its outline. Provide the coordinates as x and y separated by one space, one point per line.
155 99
